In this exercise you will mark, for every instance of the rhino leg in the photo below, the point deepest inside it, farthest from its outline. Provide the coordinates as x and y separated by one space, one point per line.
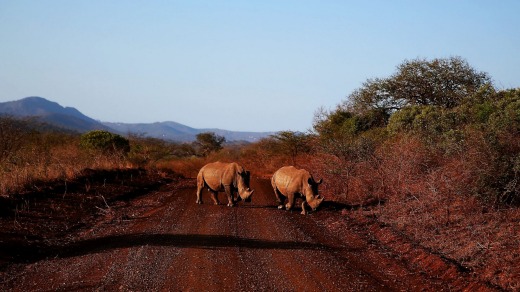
199 191
290 202
200 186
229 194
214 197
304 212
279 200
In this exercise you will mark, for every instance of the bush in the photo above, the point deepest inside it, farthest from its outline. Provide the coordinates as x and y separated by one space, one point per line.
147 151
105 142
506 117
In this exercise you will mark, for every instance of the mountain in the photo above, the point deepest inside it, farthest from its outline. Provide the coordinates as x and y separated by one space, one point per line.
183 133
71 119
161 130
51 113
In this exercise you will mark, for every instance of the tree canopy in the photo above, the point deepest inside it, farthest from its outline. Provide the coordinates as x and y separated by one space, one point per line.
440 82
292 143
209 142
105 141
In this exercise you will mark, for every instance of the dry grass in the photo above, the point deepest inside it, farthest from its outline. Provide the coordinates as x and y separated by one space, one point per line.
187 167
61 162
429 198
484 241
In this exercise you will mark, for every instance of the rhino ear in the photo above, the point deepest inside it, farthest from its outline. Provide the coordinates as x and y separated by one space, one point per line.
313 182
241 171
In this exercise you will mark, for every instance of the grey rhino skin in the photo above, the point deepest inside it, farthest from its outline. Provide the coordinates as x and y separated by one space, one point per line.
291 182
224 177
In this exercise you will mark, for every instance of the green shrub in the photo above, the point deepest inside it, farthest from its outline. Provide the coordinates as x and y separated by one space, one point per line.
105 142
402 120
507 115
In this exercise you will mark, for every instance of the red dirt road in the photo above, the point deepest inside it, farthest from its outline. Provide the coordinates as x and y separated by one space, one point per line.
163 241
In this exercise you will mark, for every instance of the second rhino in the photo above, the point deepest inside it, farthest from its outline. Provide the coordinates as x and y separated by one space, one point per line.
290 182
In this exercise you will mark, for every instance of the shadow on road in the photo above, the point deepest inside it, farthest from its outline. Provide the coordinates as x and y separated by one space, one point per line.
251 206
97 245
337 206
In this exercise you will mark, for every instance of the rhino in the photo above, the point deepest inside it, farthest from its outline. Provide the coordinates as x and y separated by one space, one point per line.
290 182
224 177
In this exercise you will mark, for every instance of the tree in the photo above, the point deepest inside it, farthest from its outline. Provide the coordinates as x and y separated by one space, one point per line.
345 123
105 141
209 142
292 143
331 123
374 94
184 150
442 82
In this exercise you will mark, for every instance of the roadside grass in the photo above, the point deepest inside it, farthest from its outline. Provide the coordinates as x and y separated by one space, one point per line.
427 198
61 162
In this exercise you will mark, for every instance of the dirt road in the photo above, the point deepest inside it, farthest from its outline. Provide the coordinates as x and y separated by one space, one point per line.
163 241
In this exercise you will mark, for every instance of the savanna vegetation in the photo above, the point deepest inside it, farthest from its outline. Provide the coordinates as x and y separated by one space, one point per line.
32 153
431 152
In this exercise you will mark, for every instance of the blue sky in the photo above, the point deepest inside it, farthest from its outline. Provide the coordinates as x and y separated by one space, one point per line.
237 65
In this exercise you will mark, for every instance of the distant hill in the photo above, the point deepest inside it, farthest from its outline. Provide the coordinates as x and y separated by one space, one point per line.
51 113
179 132
71 119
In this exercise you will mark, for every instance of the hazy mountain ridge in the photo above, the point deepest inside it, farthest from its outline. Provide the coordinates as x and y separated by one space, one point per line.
179 132
51 113
72 119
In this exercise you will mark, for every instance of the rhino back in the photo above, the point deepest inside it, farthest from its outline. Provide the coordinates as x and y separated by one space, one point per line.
289 179
217 174
212 174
